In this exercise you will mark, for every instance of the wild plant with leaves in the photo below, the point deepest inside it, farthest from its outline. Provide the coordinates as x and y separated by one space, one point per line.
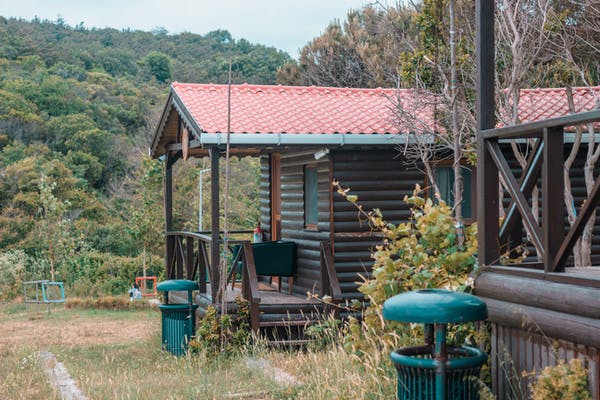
423 252
223 333
564 381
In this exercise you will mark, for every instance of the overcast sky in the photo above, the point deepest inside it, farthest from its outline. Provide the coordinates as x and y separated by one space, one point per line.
285 24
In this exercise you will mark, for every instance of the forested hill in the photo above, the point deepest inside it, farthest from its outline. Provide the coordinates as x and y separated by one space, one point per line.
76 110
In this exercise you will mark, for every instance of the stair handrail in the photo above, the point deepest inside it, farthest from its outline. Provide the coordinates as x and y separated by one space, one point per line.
329 279
250 290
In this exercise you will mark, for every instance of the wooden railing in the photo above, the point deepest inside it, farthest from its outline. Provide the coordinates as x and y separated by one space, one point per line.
329 280
188 258
250 290
545 162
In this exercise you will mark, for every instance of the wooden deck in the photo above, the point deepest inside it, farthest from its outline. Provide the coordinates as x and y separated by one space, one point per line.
276 309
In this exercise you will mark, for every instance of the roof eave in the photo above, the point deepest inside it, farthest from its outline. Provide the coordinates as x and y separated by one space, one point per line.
302 139
173 101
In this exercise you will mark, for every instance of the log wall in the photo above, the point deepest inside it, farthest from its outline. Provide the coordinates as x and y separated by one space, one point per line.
380 179
307 278
536 322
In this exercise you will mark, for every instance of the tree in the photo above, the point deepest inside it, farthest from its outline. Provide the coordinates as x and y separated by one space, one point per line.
145 213
159 65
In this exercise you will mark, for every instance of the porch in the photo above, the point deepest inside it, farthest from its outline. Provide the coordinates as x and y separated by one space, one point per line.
188 258
543 310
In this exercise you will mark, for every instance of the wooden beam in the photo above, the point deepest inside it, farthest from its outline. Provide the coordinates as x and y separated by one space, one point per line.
577 228
527 182
552 196
168 210
534 129
190 267
487 172
517 196
214 220
550 324
172 158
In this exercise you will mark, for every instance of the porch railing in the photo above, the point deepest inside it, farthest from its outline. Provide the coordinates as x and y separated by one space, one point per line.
546 164
329 280
188 257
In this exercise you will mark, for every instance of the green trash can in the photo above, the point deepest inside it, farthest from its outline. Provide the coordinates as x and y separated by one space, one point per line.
434 370
178 320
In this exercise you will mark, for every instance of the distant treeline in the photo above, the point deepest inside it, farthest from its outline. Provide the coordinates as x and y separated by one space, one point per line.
79 200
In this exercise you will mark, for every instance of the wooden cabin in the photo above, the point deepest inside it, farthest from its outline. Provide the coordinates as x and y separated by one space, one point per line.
543 311
305 137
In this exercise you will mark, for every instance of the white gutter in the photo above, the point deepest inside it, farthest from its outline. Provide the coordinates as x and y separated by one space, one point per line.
317 139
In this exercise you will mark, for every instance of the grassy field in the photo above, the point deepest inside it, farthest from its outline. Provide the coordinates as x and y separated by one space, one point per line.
116 355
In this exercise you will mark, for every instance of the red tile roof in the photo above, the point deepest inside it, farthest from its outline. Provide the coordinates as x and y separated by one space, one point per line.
541 104
297 109
327 110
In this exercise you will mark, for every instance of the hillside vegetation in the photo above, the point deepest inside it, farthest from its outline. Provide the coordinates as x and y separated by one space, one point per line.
79 199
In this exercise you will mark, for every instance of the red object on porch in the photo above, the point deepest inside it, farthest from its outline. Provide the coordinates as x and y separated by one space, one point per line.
142 283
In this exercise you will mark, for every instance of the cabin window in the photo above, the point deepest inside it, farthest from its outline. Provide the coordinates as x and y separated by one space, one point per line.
444 177
311 198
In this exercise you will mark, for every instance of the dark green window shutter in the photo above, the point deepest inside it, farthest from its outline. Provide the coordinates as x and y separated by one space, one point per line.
444 177
311 196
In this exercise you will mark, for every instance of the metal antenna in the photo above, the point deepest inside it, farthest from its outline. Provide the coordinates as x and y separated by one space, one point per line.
223 281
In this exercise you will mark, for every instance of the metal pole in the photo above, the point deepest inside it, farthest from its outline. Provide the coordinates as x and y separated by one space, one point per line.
441 357
200 203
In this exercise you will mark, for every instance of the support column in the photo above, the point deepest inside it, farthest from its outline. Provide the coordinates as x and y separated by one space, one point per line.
552 196
168 205
487 172
214 220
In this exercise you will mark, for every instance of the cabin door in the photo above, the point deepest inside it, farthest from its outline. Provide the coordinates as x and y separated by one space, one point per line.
275 196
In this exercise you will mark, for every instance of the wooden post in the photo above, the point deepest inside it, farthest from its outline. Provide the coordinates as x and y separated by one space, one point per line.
214 220
487 172
168 202
190 269
552 196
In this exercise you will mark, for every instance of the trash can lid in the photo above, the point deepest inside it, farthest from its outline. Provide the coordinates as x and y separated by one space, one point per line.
430 306
177 284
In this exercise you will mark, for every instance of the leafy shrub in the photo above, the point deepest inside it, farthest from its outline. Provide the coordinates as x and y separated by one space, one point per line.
562 382
427 251
224 333
324 334
13 265
96 274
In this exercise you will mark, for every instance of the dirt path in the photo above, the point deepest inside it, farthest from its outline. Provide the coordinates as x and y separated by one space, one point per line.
60 378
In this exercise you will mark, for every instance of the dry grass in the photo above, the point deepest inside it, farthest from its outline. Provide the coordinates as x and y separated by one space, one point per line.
121 303
116 355
22 376
73 327
335 374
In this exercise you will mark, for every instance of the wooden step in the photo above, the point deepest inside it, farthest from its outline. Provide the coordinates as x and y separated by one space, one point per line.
288 343
284 323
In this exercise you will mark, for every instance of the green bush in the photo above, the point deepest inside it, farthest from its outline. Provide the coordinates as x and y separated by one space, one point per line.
13 266
97 274
226 333
427 251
